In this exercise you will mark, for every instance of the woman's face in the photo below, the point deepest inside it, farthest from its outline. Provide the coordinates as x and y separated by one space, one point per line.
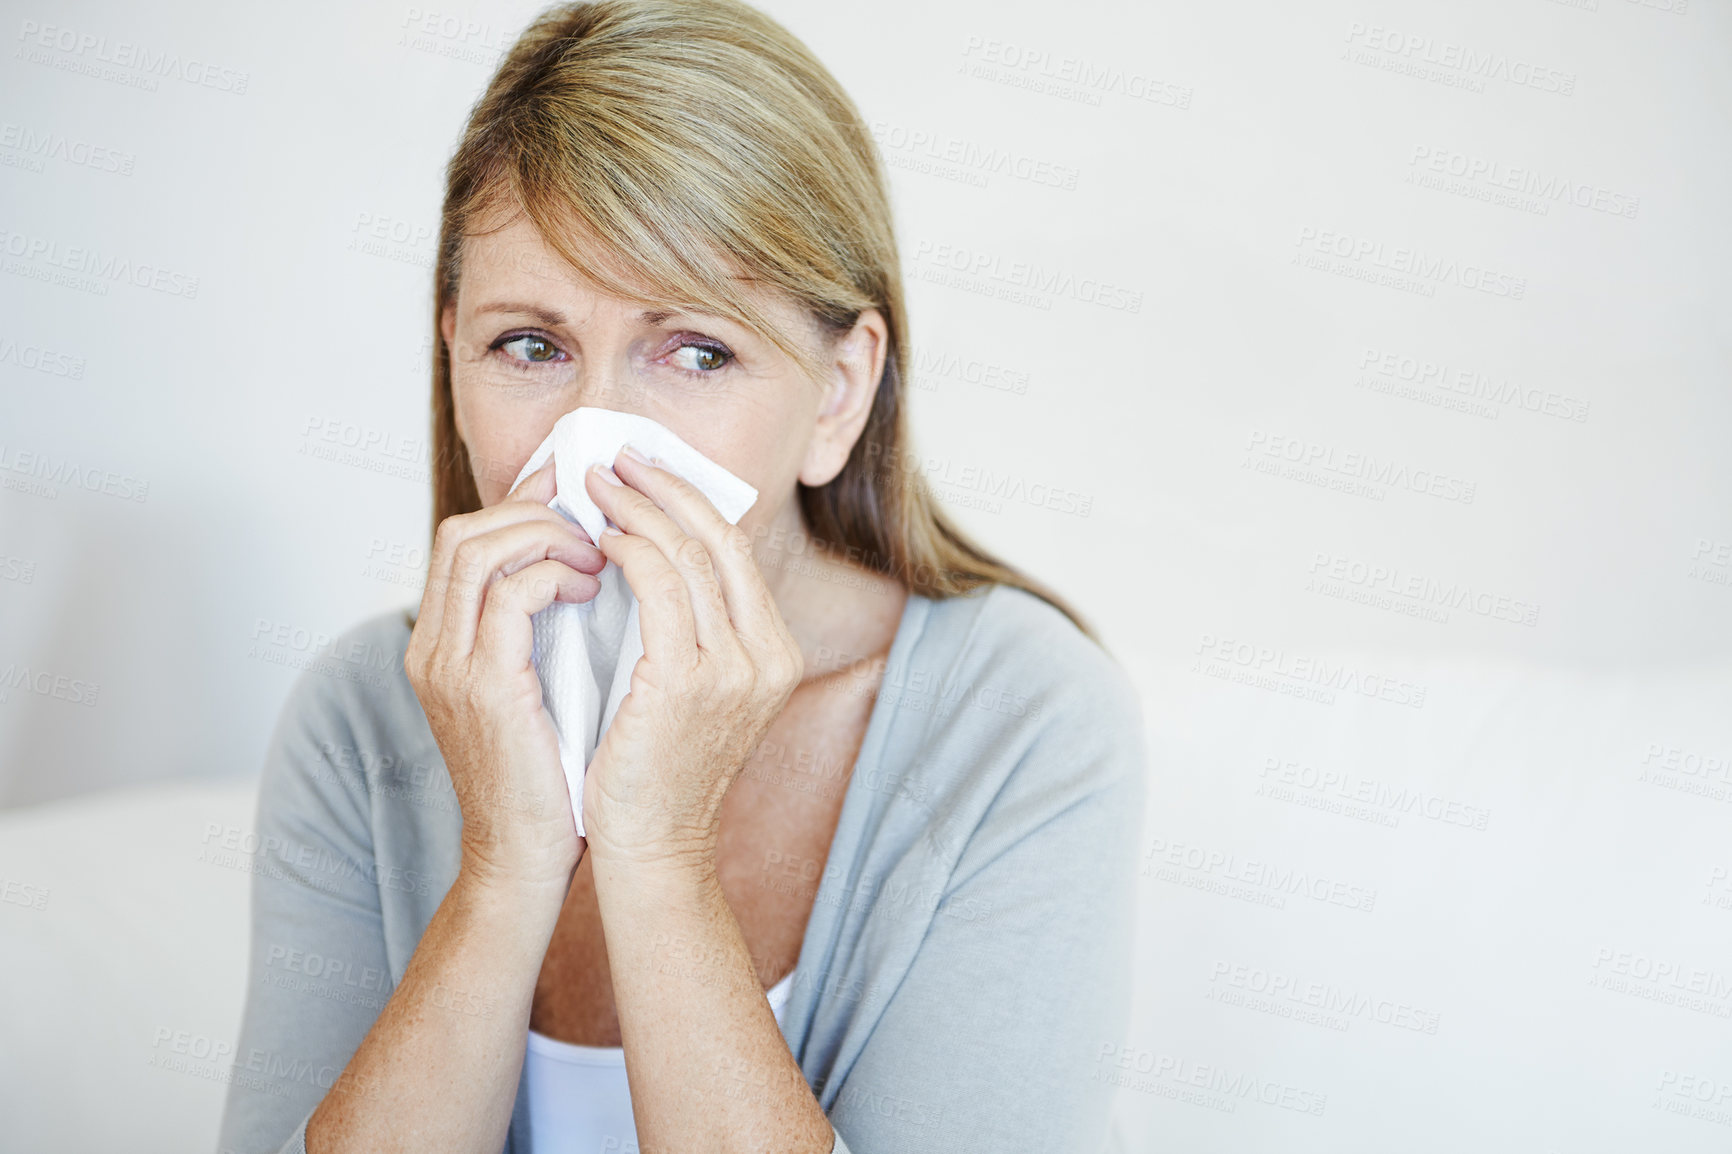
531 340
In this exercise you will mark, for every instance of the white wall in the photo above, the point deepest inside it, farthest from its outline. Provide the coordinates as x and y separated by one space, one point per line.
1243 175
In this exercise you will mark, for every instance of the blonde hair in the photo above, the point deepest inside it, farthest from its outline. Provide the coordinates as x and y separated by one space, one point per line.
670 131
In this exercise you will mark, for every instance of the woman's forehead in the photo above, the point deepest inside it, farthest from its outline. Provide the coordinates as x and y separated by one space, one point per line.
512 260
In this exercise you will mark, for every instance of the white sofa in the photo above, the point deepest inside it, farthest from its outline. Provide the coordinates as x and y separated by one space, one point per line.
123 952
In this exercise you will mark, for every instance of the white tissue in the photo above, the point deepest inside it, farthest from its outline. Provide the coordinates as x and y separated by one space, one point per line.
585 653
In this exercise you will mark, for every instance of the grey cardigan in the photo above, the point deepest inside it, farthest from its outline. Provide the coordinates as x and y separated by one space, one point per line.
967 964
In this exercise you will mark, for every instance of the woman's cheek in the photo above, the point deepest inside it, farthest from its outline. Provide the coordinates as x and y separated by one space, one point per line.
745 436
497 452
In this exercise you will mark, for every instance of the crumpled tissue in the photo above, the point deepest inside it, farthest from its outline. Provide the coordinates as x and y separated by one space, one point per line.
584 654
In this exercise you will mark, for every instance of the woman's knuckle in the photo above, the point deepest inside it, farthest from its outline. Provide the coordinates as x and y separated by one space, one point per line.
702 678
462 562
540 582
736 540
669 587
466 556
785 669
498 598
692 554
451 532
732 681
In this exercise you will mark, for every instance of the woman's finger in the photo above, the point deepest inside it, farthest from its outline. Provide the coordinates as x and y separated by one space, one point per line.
747 599
540 485
638 515
537 487
476 562
664 600
505 636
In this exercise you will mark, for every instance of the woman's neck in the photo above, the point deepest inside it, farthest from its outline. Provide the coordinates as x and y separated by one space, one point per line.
838 610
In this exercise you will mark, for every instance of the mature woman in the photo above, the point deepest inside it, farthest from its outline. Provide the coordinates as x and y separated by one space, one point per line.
859 862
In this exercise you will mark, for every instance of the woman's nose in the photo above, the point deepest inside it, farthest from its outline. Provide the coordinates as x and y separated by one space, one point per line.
611 386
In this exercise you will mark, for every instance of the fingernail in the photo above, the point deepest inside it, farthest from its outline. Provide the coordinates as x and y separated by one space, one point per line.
635 455
607 475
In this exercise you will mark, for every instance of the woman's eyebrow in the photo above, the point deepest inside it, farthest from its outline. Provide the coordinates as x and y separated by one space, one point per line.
708 320
553 318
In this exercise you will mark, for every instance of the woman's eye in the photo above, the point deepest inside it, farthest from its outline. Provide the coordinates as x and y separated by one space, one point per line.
700 358
531 349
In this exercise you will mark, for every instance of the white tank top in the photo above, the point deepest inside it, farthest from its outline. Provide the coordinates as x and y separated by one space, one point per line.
579 1102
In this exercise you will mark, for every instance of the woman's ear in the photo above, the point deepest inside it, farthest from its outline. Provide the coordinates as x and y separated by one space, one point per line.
850 387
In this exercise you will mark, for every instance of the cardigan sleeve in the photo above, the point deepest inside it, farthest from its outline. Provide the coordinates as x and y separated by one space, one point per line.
993 1039
317 975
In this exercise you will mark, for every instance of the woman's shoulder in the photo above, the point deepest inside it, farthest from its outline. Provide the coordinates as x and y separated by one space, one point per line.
1010 724
352 698
1005 652
1006 713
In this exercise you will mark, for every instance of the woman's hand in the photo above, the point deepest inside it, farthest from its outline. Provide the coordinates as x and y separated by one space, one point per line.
469 660
718 666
